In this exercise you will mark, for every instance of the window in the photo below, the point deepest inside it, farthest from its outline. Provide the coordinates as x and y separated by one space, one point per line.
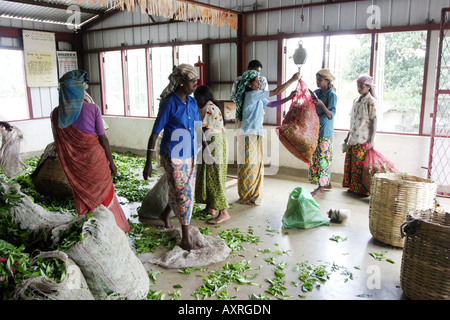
190 54
398 68
399 79
13 97
349 58
137 83
314 60
113 83
162 65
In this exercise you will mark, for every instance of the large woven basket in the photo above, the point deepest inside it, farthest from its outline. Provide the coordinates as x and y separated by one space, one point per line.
393 196
425 270
49 177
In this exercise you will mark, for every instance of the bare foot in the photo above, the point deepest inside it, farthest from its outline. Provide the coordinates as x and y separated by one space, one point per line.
186 243
165 217
223 216
319 191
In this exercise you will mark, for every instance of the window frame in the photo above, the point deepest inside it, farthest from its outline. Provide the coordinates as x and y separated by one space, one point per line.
374 44
124 66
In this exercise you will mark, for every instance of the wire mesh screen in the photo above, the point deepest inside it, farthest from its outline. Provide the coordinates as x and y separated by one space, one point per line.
440 137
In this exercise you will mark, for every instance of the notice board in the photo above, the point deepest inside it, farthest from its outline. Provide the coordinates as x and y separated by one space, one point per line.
40 58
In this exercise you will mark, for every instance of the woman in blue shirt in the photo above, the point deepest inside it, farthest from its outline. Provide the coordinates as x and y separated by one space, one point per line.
320 166
179 118
250 123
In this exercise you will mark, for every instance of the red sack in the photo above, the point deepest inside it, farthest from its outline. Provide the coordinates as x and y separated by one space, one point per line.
299 132
374 163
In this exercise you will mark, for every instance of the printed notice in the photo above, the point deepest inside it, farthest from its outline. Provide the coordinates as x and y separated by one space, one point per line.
40 58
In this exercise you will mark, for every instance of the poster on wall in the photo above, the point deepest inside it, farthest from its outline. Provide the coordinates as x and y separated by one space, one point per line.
67 61
40 58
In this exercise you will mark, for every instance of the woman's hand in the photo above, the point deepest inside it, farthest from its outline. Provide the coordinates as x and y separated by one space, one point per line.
292 95
113 168
296 76
147 173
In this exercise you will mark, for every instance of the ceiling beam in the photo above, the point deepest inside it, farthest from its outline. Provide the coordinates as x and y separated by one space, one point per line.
100 17
209 6
299 6
41 3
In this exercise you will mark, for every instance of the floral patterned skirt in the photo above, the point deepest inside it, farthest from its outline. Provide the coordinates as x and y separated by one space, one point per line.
210 183
320 166
353 169
181 179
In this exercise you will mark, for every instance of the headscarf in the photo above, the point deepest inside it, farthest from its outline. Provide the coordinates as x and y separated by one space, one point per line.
71 95
368 81
184 72
240 91
327 75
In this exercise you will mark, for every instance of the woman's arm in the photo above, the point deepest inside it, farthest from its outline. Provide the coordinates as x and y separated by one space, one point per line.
277 103
285 85
150 149
324 108
372 130
104 142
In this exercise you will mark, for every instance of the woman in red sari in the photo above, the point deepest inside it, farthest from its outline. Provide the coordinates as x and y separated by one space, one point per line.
84 150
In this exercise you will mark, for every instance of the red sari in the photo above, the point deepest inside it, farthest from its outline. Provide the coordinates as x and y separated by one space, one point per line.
87 169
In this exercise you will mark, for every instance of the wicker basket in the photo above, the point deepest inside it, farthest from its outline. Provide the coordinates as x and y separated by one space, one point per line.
393 196
425 270
49 177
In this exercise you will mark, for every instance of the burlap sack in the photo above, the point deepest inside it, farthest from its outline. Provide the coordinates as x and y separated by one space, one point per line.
10 160
212 250
156 200
31 216
112 270
73 287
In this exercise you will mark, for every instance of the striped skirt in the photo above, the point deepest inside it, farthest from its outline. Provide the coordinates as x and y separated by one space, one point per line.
250 169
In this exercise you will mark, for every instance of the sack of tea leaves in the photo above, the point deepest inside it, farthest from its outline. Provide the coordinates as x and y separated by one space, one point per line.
29 215
72 286
156 200
107 261
10 160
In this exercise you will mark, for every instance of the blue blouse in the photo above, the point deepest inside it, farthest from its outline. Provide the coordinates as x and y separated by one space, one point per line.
329 99
253 112
179 121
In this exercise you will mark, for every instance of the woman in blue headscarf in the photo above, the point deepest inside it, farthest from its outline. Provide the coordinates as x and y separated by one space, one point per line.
250 103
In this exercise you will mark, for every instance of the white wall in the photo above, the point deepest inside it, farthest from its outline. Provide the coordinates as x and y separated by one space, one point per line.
410 153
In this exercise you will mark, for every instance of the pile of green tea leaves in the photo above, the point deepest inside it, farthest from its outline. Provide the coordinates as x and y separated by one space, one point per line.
147 240
128 181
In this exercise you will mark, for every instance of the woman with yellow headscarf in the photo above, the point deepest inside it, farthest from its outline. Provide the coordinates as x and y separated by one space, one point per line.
325 100
178 116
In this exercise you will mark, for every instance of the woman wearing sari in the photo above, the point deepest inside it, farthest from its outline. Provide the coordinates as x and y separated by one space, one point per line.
179 118
210 187
84 150
250 103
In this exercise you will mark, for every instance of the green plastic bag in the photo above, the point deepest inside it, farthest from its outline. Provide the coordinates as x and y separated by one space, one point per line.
302 211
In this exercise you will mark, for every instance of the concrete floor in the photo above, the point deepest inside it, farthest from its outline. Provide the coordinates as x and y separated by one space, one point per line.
372 279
